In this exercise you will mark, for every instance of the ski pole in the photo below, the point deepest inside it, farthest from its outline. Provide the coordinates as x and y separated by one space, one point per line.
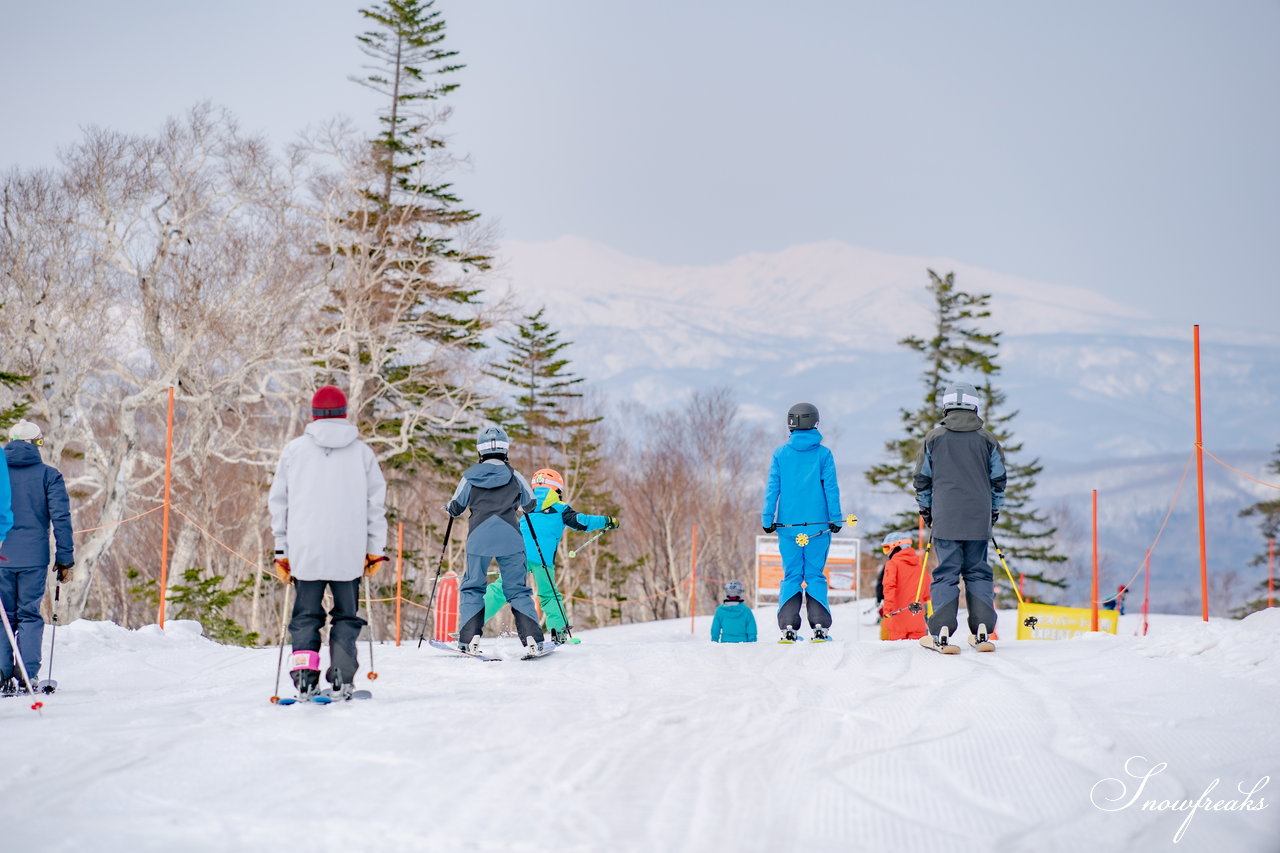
850 519
583 546
914 606
422 632
284 613
555 593
17 656
57 591
803 539
372 675
1012 582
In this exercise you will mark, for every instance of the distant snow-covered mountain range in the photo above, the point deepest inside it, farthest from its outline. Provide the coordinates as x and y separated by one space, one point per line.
1104 393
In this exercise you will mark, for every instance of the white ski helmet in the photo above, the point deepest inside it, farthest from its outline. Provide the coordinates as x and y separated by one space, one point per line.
960 395
492 443
734 589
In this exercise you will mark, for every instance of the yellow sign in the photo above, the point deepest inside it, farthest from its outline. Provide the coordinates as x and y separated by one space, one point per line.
1059 623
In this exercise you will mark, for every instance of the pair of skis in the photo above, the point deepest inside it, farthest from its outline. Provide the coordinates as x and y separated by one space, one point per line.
942 643
325 697
547 648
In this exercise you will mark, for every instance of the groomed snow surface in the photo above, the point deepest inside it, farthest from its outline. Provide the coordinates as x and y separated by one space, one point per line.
648 738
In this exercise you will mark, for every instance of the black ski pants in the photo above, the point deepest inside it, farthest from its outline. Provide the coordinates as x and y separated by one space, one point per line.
344 624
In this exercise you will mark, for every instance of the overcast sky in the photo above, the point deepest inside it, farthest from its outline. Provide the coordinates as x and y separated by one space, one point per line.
1128 146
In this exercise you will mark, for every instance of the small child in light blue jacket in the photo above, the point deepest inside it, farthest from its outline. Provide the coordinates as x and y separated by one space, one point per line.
734 621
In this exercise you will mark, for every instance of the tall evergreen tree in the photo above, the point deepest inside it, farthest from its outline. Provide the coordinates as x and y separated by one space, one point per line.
959 346
542 389
404 304
1268 515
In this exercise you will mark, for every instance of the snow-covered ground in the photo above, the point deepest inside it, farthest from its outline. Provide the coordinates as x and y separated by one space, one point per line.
648 738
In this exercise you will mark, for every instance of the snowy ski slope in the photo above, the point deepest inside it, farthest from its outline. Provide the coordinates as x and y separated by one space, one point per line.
646 738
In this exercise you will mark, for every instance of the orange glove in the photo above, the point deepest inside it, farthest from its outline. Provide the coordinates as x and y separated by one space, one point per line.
283 571
371 563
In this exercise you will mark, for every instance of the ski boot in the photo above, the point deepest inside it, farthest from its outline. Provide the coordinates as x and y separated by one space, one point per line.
789 636
471 648
9 687
982 641
940 643
532 648
305 673
820 634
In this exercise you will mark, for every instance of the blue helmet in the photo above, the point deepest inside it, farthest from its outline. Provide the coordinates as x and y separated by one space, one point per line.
897 539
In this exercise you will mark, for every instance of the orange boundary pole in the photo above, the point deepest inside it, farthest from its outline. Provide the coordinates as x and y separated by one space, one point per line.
1093 607
1146 592
921 533
399 575
1204 560
164 536
1022 591
693 586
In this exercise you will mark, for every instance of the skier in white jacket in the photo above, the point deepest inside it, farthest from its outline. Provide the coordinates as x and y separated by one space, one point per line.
329 519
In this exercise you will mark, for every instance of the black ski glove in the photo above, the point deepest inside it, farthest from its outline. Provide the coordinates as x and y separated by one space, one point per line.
611 523
64 571
927 514
770 528
834 528
995 516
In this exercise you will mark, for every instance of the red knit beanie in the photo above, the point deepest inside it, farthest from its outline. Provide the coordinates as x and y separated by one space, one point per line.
329 402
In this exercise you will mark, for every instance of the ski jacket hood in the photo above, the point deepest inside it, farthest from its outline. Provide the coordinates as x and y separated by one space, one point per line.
37 498
20 454
331 433
805 440
489 474
961 420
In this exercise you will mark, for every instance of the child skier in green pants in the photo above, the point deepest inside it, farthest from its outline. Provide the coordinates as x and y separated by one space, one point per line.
549 520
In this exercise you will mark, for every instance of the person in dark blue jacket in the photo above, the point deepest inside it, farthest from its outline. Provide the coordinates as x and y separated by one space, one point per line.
804 498
734 622
38 498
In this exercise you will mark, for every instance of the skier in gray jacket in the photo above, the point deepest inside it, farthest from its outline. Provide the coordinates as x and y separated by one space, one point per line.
494 492
960 482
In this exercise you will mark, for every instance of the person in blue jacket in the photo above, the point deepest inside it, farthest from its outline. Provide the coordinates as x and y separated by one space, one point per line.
548 522
494 492
803 498
32 497
734 622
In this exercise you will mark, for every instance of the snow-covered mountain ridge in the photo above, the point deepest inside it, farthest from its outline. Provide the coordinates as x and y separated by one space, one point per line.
1103 392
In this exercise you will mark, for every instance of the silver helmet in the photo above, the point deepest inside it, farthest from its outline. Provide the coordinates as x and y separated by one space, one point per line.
960 395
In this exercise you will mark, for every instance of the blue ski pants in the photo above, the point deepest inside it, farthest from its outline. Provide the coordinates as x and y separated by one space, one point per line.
803 581
515 589
961 559
21 591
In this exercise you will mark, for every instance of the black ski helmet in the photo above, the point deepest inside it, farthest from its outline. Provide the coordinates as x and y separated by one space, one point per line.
802 416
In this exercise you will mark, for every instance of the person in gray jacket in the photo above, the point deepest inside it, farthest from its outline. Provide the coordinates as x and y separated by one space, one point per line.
494 491
329 520
960 482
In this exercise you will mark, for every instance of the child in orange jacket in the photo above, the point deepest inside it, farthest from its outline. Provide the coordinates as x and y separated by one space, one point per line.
902 581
